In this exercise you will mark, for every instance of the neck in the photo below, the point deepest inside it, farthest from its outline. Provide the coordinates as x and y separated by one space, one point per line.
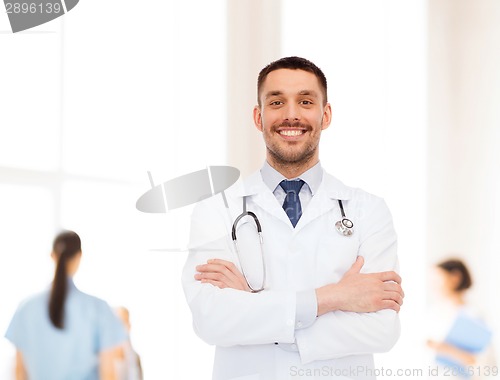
292 169
457 298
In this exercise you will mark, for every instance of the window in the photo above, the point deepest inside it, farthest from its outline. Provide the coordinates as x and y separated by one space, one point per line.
90 103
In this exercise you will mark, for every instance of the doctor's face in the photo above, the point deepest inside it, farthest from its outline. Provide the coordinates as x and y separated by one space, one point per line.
291 115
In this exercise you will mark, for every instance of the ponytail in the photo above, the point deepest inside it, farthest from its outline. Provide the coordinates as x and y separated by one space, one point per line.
66 245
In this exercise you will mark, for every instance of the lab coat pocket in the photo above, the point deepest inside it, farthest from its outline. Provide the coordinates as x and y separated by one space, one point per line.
336 253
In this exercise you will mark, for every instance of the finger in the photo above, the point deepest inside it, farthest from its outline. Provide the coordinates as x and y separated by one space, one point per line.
217 279
222 282
210 268
218 265
394 296
393 287
215 268
221 273
218 284
228 264
224 276
356 267
211 276
235 275
390 276
390 305
219 261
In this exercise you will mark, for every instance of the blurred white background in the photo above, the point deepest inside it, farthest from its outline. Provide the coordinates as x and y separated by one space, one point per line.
93 100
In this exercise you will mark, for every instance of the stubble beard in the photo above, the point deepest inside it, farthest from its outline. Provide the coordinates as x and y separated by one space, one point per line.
288 158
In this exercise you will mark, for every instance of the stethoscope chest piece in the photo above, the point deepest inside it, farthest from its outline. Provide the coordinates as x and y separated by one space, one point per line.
344 226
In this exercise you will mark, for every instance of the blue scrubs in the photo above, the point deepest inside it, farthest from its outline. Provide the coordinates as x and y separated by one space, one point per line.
90 326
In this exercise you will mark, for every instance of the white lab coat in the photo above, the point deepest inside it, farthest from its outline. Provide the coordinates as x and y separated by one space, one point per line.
245 326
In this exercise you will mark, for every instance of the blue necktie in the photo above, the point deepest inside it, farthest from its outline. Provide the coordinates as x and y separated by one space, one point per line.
291 205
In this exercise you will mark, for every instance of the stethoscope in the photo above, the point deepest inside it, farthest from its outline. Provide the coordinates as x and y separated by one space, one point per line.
343 226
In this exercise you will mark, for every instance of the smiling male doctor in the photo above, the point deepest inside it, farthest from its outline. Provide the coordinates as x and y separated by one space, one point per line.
330 301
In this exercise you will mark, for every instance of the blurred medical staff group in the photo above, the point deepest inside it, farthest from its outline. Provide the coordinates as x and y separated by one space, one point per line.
63 333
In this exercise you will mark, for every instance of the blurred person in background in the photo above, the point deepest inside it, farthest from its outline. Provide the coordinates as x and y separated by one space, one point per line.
128 362
63 333
460 338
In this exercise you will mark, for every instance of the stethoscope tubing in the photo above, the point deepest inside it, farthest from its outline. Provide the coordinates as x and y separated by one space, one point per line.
343 226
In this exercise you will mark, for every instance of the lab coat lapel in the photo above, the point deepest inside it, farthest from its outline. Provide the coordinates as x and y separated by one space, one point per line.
262 196
325 199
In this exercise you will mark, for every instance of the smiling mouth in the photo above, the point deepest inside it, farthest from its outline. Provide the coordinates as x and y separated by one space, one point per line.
291 132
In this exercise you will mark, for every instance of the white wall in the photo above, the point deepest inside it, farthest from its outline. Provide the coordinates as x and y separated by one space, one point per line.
91 101
88 104
463 142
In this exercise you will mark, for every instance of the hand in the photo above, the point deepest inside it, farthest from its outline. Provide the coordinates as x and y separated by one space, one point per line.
433 344
443 348
360 292
221 273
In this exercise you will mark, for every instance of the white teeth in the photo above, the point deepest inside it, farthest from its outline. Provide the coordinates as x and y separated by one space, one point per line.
292 132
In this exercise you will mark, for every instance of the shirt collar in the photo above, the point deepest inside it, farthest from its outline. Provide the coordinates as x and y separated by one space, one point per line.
71 284
272 177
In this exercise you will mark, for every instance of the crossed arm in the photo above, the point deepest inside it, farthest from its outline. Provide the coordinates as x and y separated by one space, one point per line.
356 292
357 314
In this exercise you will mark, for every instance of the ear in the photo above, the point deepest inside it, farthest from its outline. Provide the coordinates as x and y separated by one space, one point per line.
257 118
327 116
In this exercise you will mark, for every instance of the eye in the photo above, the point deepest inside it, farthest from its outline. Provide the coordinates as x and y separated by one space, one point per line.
276 103
306 102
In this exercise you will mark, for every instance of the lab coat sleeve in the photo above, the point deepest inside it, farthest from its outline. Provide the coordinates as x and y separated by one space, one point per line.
338 334
227 317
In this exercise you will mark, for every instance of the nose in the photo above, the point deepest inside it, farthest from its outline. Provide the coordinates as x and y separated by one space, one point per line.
291 112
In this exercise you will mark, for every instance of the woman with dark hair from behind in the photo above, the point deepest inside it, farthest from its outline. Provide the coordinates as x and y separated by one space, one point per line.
63 333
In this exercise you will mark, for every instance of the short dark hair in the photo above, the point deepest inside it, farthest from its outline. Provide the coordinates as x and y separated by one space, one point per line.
457 266
293 63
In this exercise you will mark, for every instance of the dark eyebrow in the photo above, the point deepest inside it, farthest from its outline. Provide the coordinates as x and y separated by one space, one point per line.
273 93
303 92
308 92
